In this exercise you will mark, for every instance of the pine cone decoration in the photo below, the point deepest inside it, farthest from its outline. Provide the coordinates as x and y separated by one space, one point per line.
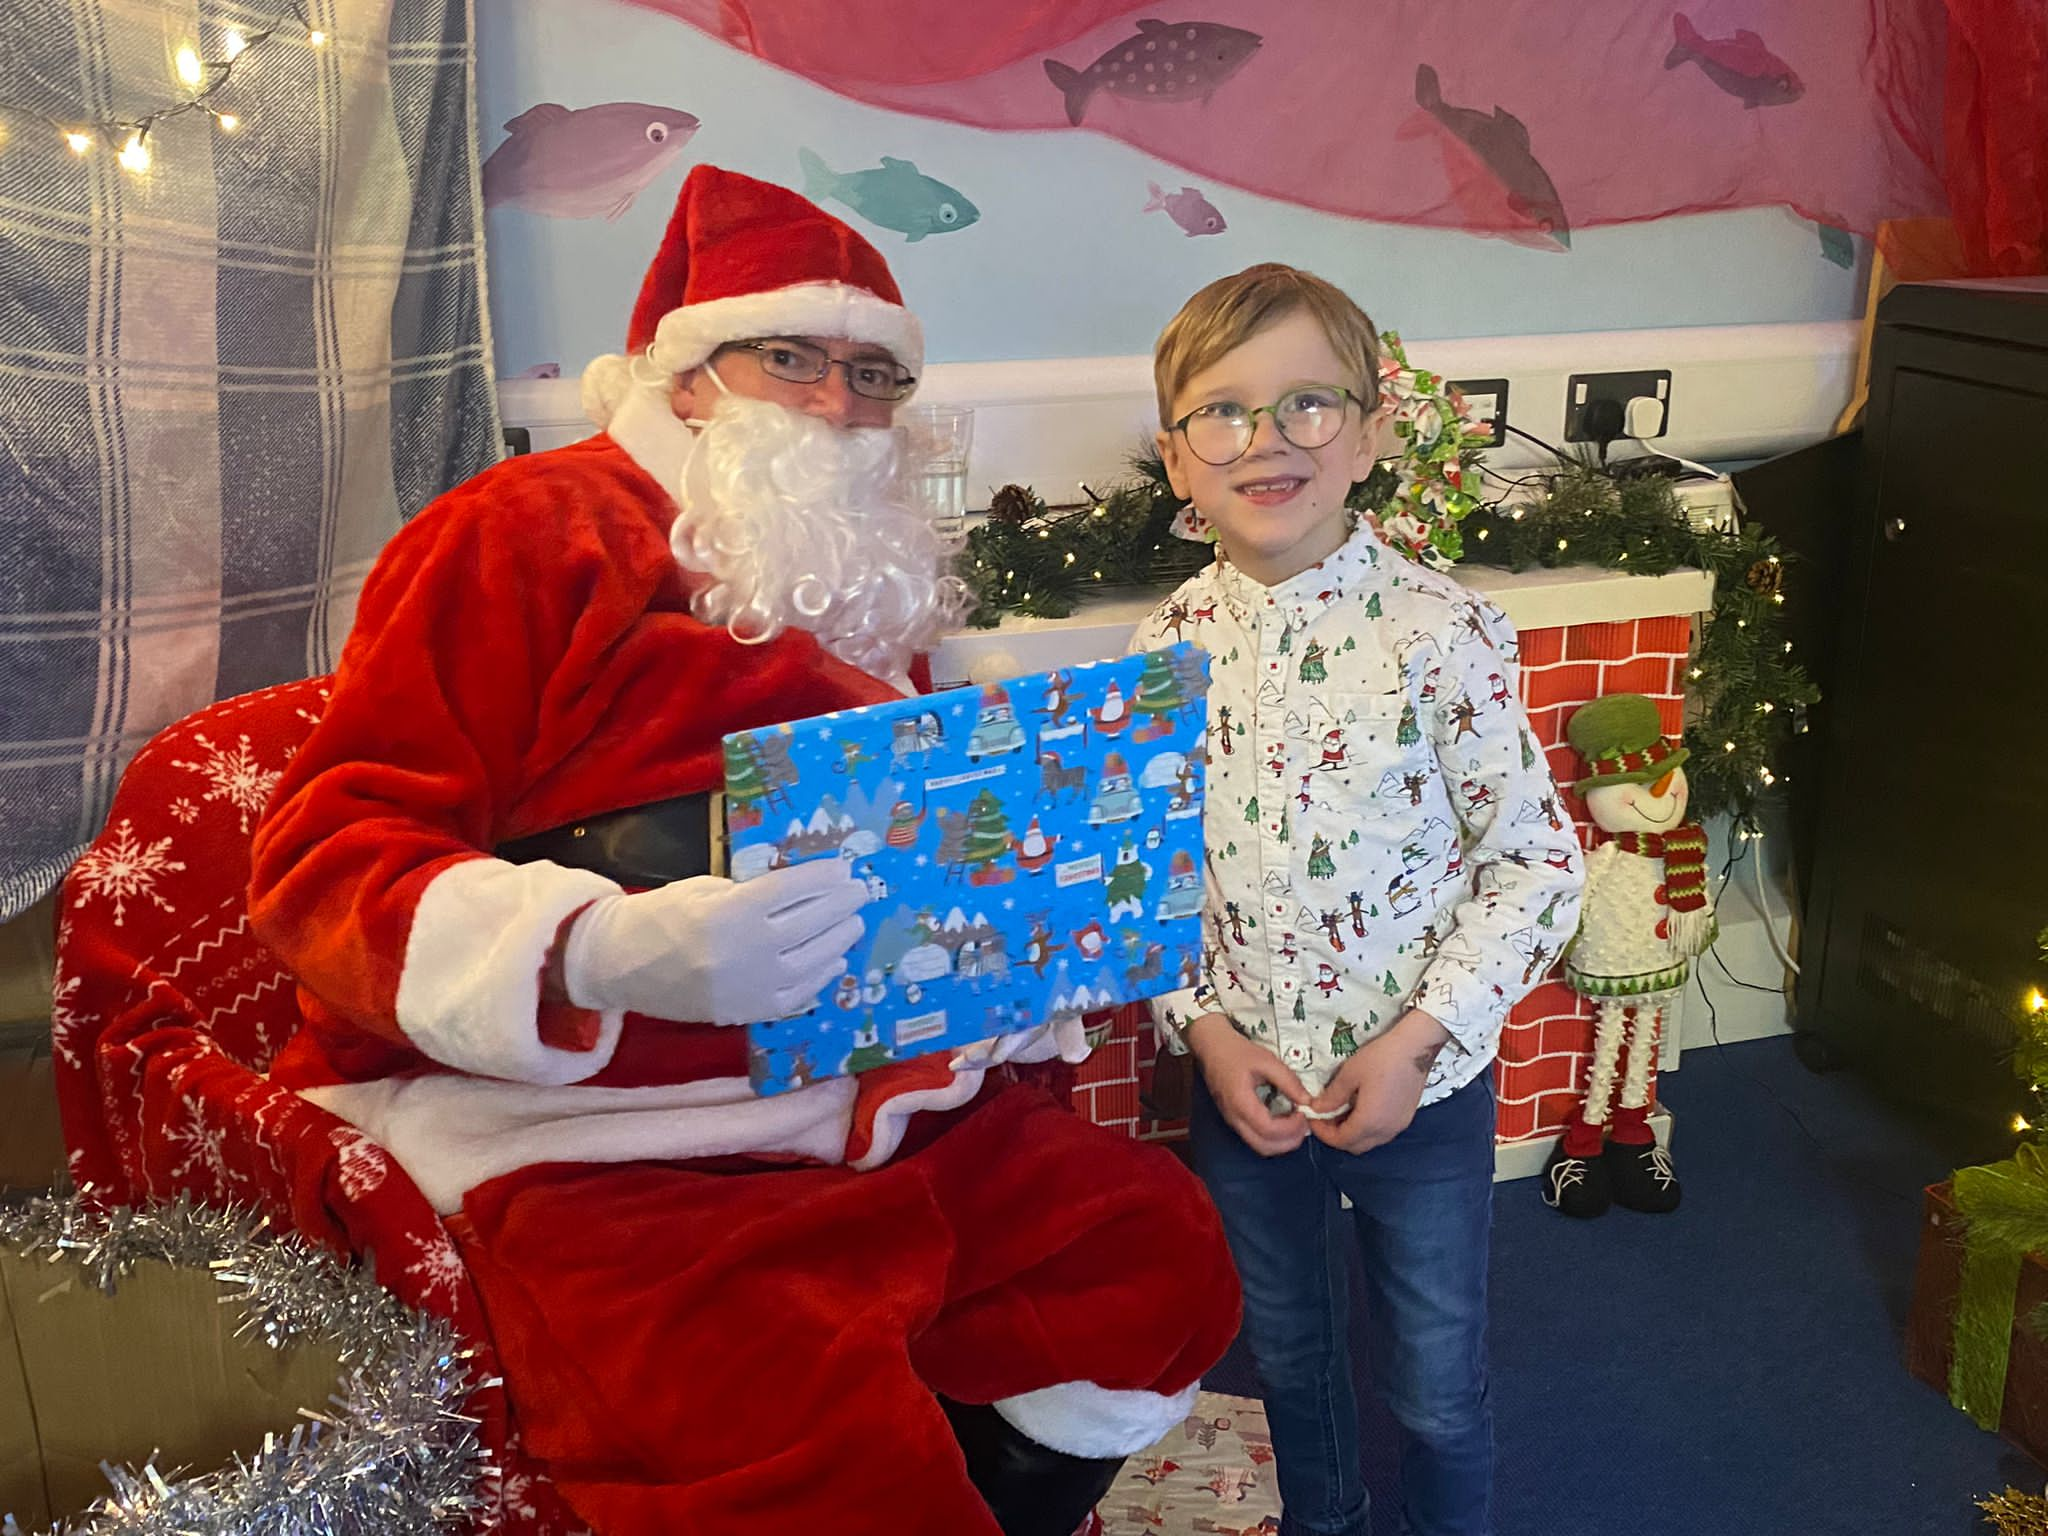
1012 505
1765 578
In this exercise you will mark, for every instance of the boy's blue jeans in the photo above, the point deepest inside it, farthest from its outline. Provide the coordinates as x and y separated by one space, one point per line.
1422 1207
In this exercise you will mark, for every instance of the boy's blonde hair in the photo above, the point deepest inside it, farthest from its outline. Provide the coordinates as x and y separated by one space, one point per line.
1230 311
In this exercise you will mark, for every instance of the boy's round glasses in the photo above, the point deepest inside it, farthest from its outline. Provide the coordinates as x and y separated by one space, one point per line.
799 362
1220 432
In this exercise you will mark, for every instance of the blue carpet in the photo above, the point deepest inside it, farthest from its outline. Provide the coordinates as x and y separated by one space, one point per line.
1733 1369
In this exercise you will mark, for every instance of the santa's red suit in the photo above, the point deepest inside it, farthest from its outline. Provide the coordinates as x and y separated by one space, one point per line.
716 1312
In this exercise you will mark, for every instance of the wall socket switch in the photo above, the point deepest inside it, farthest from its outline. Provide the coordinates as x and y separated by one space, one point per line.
1488 399
1596 405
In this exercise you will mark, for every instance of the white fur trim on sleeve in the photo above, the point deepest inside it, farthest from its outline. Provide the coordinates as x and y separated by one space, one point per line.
1061 1040
692 332
469 993
892 1116
1081 1419
452 1133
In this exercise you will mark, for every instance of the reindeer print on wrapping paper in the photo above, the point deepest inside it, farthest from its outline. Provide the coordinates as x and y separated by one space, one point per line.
1054 777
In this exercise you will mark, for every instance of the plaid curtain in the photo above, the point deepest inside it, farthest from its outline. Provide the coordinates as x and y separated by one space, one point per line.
226 378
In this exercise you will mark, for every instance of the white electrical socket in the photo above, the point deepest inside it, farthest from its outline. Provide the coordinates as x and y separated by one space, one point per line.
1709 504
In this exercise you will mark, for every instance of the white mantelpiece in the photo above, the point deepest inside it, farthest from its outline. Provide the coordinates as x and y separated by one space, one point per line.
1101 626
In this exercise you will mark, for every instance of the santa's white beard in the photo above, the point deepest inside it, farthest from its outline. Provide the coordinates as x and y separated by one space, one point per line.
803 524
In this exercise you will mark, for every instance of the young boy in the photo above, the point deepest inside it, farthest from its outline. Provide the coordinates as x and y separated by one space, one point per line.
1378 889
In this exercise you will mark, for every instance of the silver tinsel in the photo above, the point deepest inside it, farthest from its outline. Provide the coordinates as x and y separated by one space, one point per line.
395 1455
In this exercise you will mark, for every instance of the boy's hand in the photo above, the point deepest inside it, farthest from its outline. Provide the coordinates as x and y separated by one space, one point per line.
1376 1091
1234 1067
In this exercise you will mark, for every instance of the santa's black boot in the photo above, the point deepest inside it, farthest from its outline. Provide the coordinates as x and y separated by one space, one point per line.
1638 1170
1575 1176
1031 1489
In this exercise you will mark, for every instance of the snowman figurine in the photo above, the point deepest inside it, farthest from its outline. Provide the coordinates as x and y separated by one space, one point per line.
1646 916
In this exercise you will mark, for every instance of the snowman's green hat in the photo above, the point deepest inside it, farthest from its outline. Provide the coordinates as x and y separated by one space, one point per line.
1621 737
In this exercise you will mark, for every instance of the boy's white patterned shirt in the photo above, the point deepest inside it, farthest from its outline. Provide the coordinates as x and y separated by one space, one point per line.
1382 827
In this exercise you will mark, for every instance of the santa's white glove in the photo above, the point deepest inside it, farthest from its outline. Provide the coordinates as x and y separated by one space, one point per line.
710 950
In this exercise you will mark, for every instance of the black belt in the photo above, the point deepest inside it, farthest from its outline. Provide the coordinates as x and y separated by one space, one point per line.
644 845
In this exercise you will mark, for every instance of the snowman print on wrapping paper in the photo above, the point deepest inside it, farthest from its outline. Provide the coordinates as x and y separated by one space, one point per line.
1031 850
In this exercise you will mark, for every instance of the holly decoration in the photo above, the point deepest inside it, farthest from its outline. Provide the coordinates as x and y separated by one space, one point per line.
1427 489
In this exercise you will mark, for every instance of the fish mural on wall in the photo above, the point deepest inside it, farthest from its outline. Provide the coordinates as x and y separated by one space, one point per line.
898 196
1194 213
577 163
1740 65
1161 61
1496 178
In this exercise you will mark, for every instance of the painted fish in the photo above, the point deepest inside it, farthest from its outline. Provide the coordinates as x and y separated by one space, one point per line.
1162 61
576 164
898 196
1499 144
1741 65
1194 213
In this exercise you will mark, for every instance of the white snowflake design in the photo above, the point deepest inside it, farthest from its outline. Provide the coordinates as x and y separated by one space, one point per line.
66 1023
516 1493
234 776
121 867
183 810
438 1268
206 1152
364 1164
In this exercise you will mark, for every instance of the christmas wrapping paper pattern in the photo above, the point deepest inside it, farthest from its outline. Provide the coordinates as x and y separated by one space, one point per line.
1213 1476
1032 852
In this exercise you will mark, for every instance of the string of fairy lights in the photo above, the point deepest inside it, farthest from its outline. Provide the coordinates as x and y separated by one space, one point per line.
201 75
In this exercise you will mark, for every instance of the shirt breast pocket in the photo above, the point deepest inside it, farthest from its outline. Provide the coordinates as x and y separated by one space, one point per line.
1385 756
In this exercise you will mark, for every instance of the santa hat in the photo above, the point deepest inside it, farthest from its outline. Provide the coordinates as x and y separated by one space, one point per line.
742 259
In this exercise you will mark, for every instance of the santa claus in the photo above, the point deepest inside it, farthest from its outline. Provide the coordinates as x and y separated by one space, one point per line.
920 1300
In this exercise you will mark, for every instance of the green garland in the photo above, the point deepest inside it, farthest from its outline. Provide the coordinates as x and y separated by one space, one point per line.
1748 693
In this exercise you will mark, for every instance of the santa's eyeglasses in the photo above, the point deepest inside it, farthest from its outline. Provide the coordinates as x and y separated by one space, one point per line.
800 362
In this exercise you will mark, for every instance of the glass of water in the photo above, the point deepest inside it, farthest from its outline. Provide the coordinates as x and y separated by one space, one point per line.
936 440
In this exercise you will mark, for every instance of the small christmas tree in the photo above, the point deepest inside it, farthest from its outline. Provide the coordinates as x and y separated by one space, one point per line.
1251 810
988 831
1312 668
1342 1041
1159 690
1372 607
1408 732
1320 864
745 783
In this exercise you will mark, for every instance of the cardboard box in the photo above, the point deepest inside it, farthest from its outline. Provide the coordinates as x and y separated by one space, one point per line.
86 1377
1931 1322
31 1139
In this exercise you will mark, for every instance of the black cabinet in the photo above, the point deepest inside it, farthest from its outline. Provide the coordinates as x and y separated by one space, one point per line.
1931 863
